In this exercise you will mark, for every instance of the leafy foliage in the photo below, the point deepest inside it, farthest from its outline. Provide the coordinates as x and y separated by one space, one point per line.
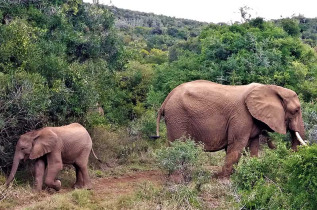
280 179
63 61
242 54
53 55
184 156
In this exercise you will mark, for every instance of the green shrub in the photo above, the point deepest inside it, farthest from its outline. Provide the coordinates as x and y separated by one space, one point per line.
117 146
24 97
265 194
301 168
145 126
186 157
310 121
280 179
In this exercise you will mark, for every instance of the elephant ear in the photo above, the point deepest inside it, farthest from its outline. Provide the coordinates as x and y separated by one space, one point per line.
265 104
44 142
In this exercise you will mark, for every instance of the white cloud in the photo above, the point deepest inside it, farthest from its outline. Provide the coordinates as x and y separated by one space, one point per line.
219 10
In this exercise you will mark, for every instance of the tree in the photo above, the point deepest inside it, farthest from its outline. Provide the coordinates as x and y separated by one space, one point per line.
291 26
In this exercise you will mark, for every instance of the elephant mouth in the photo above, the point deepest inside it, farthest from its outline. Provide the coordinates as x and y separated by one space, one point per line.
26 157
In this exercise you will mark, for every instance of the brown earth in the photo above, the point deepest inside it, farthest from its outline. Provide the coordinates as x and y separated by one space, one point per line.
109 187
115 186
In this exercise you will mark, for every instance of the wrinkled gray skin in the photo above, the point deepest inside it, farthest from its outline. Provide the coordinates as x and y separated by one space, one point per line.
230 117
70 144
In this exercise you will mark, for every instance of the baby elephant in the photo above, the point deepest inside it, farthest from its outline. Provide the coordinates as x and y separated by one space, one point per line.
70 144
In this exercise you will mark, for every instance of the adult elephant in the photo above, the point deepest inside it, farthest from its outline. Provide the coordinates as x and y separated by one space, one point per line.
52 147
230 117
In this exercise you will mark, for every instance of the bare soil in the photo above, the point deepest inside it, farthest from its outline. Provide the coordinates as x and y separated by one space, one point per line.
116 186
109 187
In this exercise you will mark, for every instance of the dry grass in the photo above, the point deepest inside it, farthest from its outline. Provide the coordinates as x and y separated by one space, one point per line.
219 194
117 147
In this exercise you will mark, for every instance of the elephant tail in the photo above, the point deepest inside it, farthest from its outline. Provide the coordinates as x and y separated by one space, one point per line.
95 155
158 119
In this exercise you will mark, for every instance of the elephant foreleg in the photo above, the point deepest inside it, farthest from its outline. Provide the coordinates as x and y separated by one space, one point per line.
234 151
52 171
231 158
267 139
39 174
270 144
254 146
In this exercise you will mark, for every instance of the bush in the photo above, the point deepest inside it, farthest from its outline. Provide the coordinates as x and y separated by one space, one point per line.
117 147
310 120
24 98
302 180
280 179
185 157
144 126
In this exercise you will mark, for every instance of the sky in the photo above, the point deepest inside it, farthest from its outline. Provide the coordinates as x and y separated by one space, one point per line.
216 11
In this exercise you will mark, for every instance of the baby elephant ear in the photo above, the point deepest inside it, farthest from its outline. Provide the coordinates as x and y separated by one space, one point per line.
43 143
265 104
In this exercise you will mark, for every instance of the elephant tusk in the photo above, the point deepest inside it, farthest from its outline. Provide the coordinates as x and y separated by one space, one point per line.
300 139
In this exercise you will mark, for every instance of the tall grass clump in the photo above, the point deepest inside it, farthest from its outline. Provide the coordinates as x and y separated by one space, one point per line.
280 179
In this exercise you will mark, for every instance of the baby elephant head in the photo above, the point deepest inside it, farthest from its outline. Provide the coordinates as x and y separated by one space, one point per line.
31 145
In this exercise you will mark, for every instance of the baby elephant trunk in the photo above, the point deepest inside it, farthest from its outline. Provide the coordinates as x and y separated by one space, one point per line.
14 169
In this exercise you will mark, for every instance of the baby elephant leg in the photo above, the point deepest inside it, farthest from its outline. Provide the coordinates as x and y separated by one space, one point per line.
52 171
39 174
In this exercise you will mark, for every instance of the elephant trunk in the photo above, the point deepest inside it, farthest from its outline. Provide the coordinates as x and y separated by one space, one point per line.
14 168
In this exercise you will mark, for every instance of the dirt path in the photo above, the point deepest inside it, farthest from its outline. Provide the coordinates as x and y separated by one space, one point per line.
109 187
124 185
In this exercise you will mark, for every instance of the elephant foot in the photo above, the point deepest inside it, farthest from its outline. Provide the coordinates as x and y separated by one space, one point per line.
77 186
56 185
36 190
221 175
88 186
82 186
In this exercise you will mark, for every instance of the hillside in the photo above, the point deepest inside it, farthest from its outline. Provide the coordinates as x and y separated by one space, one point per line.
110 69
128 18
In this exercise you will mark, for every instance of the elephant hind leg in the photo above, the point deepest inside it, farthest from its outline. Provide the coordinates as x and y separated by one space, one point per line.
83 170
82 164
79 178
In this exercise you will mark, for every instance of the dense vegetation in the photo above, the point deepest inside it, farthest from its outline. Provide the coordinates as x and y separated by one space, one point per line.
63 61
279 180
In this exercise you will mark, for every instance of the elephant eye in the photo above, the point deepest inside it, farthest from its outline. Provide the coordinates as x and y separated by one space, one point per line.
296 111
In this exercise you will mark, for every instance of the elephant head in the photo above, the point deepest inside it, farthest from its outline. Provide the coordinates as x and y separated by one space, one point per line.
279 108
31 145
